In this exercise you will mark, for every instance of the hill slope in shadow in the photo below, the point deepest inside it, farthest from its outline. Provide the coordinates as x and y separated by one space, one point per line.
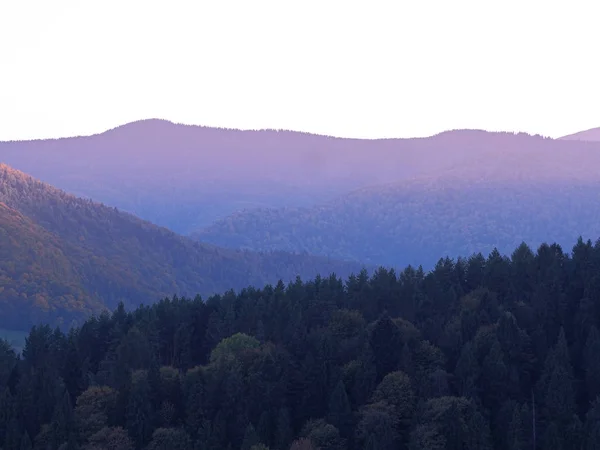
415 222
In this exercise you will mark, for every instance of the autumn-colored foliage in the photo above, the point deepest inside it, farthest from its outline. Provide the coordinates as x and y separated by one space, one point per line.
62 258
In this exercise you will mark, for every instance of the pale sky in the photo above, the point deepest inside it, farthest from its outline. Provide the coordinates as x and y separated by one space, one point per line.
397 68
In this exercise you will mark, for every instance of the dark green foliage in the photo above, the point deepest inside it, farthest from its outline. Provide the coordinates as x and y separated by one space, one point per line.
493 351
250 438
396 391
591 354
139 413
323 435
387 346
170 439
340 411
113 438
25 442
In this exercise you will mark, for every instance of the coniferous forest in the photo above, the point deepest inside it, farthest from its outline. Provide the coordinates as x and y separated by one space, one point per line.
480 353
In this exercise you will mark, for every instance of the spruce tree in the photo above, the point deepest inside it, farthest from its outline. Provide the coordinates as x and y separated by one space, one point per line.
340 412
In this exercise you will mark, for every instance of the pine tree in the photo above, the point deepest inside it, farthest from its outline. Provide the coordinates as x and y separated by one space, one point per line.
407 364
478 433
250 438
592 427
556 384
140 416
13 435
265 428
516 431
284 432
386 342
25 442
467 370
591 359
340 412
494 375
62 420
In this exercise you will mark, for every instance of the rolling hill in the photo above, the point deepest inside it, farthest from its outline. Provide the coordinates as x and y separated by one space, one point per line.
414 222
186 177
592 135
512 188
62 258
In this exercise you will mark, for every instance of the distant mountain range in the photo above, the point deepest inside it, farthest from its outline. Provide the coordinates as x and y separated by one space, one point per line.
415 222
389 201
186 177
503 189
592 135
62 258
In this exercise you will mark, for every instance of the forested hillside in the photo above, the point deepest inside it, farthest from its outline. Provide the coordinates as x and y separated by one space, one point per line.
186 177
481 353
415 222
62 258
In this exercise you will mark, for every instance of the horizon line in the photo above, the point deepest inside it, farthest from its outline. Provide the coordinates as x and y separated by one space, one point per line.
223 128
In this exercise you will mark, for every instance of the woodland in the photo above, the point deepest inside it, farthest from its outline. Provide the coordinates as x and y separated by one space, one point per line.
497 352
63 258
417 222
269 326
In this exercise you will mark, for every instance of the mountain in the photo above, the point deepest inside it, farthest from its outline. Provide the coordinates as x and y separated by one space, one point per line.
62 258
416 221
499 190
186 177
587 135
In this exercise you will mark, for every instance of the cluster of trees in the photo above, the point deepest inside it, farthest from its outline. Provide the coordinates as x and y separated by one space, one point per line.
480 353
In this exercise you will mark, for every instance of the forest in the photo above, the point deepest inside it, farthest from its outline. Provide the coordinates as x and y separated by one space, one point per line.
417 221
497 352
185 180
63 257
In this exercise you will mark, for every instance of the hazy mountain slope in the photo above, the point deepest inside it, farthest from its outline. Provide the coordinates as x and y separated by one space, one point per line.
416 222
37 280
185 177
70 256
587 135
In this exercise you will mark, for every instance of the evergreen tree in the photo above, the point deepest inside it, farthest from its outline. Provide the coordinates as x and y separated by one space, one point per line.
25 442
284 433
62 420
250 438
592 363
386 343
140 416
340 412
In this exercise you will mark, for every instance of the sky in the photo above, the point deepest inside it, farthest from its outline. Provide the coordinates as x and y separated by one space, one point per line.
365 69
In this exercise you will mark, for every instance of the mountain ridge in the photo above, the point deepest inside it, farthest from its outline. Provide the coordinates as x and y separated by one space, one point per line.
111 256
186 177
150 124
591 135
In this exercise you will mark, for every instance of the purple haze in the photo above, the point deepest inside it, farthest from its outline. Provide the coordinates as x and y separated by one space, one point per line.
185 177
